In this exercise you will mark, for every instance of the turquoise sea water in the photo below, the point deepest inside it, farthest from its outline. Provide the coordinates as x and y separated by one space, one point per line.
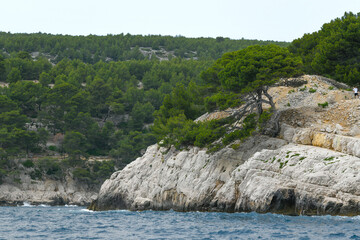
72 222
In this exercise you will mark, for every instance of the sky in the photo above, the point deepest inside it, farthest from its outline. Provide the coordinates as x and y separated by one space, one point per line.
278 20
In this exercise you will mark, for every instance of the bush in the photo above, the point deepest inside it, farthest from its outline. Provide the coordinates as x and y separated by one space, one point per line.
82 174
103 169
264 118
36 175
50 167
52 148
28 163
323 105
303 89
248 127
311 90
208 132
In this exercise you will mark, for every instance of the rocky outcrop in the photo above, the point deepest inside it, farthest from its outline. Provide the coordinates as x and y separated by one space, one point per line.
295 179
312 167
50 192
180 180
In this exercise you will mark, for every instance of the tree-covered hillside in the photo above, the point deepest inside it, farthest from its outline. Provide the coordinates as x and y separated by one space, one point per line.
92 48
241 79
333 51
94 95
115 95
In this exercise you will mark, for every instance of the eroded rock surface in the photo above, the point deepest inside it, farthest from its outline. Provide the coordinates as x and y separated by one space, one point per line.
51 192
180 180
312 167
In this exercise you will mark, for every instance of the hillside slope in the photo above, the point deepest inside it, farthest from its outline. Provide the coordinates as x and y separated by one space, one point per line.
312 167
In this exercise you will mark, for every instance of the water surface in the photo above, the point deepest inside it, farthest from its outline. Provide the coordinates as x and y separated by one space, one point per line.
72 222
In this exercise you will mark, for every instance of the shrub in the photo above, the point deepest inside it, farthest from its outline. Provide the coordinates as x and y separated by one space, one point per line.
103 169
52 148
248 127
303 89
311 90
36 175
323 105
28 163
82 174
221 101
264 118
209 132
50 167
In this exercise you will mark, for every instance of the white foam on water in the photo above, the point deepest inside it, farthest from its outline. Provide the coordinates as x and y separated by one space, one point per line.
26 204
86 210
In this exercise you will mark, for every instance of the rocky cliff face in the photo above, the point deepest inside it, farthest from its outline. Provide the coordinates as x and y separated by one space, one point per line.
312 167
180 180
51 192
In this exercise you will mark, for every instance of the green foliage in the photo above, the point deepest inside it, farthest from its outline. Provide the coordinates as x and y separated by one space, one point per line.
249 71
51 167
36 175
208 132
29 96
2 67
52 148
258 66
91 49
323 105
333 50
312 90
182 132
82 174
126 147
103 107
248 126
14 75
291 91
45 79
329 158
75 144
28 163
263 119
95 172
222 101
103 169
303 89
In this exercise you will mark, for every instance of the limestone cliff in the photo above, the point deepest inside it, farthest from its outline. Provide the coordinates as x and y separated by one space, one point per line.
311 167
47 191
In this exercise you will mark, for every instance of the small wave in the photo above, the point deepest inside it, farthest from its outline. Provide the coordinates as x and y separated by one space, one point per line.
124 210
66 205
356 217
44 205
86 210
27 204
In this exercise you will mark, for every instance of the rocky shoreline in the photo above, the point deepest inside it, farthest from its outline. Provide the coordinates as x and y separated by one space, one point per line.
312 167
48 192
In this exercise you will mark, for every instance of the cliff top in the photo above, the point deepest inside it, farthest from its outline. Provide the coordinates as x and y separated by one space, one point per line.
312 102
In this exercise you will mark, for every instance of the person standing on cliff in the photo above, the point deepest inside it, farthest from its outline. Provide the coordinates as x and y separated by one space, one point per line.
355 89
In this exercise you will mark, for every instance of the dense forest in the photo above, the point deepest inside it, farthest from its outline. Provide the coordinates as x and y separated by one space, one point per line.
333 51
91 49
80 96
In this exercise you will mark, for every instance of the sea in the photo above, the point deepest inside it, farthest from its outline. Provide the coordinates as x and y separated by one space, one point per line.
73 222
